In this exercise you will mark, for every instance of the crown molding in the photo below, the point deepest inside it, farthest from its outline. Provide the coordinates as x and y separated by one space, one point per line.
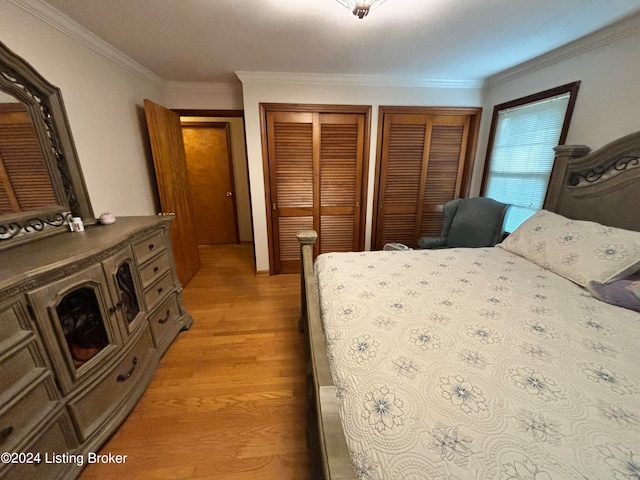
600 38
285 78
49 15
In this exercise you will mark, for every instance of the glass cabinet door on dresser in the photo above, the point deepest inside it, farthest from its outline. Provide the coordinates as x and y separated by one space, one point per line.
77 318
125 288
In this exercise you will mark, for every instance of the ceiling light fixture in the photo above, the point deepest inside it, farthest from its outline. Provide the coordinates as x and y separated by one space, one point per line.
360 8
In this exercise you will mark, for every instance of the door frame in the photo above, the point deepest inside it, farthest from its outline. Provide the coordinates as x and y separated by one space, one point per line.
232 182
312 108
192 112
474 114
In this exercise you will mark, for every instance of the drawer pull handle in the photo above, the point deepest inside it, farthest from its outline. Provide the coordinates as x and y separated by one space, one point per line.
155 269
123 376
5 433
151 246
165 319
160 291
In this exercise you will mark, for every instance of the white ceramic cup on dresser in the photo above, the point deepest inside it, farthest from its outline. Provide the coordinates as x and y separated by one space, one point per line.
76 225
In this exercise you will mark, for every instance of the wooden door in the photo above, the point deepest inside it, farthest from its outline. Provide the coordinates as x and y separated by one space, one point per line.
424 160
208 154
292 177
340 189
316 175
167 146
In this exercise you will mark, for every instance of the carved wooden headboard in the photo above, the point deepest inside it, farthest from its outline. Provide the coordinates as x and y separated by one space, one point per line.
603 186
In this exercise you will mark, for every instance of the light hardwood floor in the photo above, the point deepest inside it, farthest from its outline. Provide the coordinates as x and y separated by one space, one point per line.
227 401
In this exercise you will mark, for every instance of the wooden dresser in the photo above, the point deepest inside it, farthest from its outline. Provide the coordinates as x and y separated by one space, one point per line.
84 319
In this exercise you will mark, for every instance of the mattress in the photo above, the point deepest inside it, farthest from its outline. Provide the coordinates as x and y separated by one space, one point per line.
477 364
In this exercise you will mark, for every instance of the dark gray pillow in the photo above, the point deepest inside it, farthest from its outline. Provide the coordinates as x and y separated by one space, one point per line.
622 293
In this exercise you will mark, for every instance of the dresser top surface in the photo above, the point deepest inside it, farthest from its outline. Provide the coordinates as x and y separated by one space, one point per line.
48 254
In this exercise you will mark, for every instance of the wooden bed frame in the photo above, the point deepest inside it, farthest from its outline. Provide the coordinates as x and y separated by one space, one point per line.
603 187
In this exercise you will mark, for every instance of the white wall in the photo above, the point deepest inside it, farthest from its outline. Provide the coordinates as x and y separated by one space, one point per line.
608 104
258 90
203 96
104 105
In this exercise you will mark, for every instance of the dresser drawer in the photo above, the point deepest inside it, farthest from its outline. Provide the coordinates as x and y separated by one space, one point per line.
19 362
57 438
154 269
25 410
95 405
148 247
12 320
158 291
163 320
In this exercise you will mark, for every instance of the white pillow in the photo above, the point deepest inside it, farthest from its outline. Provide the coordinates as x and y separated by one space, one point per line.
577 250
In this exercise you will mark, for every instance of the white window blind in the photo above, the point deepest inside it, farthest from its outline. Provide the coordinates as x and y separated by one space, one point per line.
522 156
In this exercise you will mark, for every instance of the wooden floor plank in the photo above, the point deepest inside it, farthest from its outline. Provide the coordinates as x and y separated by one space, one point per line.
227 402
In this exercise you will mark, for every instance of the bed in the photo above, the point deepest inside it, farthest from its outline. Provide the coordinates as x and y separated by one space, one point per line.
490 363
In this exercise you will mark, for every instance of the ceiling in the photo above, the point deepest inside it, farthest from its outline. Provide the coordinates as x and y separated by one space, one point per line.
209 40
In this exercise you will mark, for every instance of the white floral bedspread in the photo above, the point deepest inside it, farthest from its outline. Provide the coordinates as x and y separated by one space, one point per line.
477 364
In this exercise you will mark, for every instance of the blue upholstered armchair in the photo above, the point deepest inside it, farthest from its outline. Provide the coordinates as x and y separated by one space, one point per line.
469 222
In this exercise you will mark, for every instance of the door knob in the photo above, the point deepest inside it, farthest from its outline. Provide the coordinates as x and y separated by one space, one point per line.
229 194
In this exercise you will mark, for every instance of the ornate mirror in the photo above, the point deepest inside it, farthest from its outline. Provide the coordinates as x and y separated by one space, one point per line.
41 183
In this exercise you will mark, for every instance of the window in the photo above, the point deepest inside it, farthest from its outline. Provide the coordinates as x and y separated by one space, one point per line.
520 153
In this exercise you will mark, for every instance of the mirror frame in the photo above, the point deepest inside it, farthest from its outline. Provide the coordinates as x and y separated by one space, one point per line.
49 117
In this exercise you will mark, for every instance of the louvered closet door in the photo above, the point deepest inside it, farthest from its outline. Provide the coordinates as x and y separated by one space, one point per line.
444 168
315 181
422 164
341 156
291 176
403 156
